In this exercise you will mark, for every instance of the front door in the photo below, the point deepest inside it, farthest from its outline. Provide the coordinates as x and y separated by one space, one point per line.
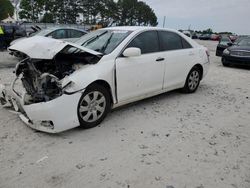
143 75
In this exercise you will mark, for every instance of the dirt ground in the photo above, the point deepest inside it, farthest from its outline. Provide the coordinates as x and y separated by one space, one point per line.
174 140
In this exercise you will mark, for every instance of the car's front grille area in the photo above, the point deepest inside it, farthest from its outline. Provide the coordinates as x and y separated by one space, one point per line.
240 53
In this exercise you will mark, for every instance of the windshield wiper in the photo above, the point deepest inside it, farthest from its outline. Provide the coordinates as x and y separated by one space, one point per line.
106 44
92 39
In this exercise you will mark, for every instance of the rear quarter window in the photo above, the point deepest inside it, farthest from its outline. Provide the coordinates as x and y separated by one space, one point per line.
186 44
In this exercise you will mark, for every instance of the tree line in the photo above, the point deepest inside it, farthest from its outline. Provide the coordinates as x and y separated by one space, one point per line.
122 12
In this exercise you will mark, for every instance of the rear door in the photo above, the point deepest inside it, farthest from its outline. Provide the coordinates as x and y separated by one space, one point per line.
180 57
143 75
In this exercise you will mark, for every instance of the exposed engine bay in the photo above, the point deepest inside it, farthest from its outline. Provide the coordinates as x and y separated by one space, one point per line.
41 78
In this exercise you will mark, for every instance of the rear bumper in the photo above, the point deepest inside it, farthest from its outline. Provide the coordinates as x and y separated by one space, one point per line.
53 116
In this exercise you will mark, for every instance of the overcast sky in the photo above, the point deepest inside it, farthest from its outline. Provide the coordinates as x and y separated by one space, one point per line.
220 15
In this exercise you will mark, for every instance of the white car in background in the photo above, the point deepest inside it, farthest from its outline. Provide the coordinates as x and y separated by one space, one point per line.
65 34
67 85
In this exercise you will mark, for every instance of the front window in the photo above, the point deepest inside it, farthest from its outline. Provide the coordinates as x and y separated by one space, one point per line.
225 40
147 41
104 41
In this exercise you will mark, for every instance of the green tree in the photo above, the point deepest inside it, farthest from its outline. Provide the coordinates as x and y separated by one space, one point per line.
31 9
123 12
48 18
6 9
208 31
133 12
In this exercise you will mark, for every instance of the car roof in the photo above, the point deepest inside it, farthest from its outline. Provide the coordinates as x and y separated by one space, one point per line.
137 28
56 28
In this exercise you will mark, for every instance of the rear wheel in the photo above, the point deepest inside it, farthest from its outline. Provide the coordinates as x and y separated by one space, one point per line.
93 106
193 80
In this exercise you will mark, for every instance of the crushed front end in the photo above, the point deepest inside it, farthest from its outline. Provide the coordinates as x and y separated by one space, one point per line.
42 92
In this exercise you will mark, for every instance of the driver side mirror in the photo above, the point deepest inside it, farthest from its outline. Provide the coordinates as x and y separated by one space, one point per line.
132 52
230 44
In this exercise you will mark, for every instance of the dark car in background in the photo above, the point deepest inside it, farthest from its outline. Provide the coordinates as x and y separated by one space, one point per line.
224 43
205 37
237 54
194 36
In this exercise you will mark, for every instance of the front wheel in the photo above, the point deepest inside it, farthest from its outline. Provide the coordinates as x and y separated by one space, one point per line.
93 106
224 62
192 81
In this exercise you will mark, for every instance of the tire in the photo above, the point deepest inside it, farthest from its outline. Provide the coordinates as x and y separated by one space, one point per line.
224 63
192 81
93 106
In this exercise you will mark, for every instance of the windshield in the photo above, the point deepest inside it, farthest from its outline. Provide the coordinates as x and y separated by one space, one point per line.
244 42
224 41
104 41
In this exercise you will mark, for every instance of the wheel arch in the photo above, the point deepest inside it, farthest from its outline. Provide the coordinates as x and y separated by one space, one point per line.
106 85
200 67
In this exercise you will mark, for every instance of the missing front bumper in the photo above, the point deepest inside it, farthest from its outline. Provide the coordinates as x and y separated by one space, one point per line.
53 116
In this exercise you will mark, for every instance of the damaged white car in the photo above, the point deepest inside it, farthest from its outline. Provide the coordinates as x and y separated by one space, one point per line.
65 85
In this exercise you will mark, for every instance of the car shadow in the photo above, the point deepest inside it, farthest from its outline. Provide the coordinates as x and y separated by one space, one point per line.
129 108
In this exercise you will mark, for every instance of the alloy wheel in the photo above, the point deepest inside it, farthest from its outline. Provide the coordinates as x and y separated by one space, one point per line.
92 106
193 80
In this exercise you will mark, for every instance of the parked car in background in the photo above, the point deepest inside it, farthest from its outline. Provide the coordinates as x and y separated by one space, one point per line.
224 43
66 34
215 37
194 36
187 33
238 54
205 37
67 85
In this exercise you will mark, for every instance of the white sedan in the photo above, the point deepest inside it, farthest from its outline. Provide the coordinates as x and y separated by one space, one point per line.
66 85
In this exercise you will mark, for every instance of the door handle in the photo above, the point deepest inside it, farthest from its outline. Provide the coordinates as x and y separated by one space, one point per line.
160 59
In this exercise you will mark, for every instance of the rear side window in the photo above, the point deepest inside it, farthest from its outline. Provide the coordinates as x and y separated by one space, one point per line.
172 41
147 41
185 44
59 34
74 33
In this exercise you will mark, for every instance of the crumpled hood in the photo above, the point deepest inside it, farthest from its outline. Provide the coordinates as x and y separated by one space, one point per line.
39 47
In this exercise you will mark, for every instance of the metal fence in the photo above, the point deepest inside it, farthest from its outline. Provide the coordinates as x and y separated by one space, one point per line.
27 26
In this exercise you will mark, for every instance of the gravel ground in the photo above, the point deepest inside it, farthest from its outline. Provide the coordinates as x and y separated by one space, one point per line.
171 140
